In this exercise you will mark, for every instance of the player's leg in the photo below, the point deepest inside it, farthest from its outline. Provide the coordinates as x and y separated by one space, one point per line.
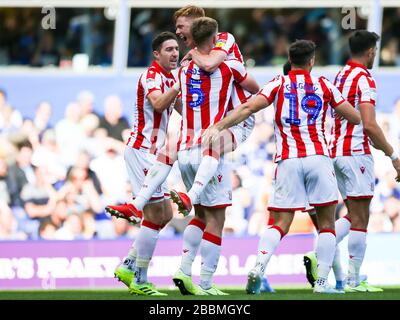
157 174
267 245
210 249
208 164
358 184
287 196
192 236
154 218
321 186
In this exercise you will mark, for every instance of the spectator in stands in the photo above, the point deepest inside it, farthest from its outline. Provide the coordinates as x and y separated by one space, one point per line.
235 220
111 171
113 120
48 154
80 192
42 117
46 53
70 134
21 172
85 100
40 197
5 183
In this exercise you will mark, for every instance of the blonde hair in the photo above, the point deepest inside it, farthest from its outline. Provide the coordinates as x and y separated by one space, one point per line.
189 11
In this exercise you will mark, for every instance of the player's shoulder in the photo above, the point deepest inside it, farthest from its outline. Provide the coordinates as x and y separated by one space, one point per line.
151 73
225 35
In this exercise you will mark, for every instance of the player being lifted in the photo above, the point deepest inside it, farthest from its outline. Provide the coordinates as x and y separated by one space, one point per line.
304 172
205 98
225 48
352 159
151 114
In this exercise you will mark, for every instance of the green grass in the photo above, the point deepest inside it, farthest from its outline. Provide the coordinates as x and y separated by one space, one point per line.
390 293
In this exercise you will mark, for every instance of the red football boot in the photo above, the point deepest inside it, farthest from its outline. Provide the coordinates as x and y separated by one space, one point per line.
183 202
126 211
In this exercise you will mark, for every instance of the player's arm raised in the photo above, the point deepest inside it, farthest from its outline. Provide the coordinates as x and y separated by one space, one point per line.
208 62
161 101
239 114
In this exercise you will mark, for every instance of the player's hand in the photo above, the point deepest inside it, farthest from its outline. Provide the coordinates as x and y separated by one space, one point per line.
210 136
186 59
396 166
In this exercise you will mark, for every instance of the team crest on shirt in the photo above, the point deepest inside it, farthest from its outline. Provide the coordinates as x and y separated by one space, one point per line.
362 169
220 43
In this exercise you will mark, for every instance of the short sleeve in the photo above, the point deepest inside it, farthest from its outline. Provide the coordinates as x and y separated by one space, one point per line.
238 70
336 97
153 81
225 42
367 90
271 88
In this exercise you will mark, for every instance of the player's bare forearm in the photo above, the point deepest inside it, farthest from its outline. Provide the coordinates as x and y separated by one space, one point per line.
347 111
161 101
375 133
373 130
236 116
250 84
208 62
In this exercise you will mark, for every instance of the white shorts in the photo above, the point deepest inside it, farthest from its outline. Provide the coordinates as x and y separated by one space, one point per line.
138 163
299 183
218 192
355 176
242 131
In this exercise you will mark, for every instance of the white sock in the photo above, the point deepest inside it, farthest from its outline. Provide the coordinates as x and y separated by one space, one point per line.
325 252
130 260
342 228
145 244
157 174
357 246
191 241
337 265
210 250
208 167
266 247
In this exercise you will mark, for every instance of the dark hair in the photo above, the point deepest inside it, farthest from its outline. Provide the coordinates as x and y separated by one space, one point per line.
189 11
362 40
161 38
301 52
287 67
202 29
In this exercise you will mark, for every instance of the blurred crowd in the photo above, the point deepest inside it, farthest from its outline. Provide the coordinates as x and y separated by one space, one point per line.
262 34
56 180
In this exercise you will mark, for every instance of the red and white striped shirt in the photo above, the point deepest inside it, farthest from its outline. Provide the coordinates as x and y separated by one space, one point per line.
205 98
238 97
301 103
227 43
149 126
357 86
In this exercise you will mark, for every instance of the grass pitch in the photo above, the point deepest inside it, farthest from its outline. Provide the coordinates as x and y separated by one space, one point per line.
390 293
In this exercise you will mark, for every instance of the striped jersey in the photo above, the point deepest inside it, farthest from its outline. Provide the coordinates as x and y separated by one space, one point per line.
149 126
301 103
227 43
205 98
239 96
357 86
